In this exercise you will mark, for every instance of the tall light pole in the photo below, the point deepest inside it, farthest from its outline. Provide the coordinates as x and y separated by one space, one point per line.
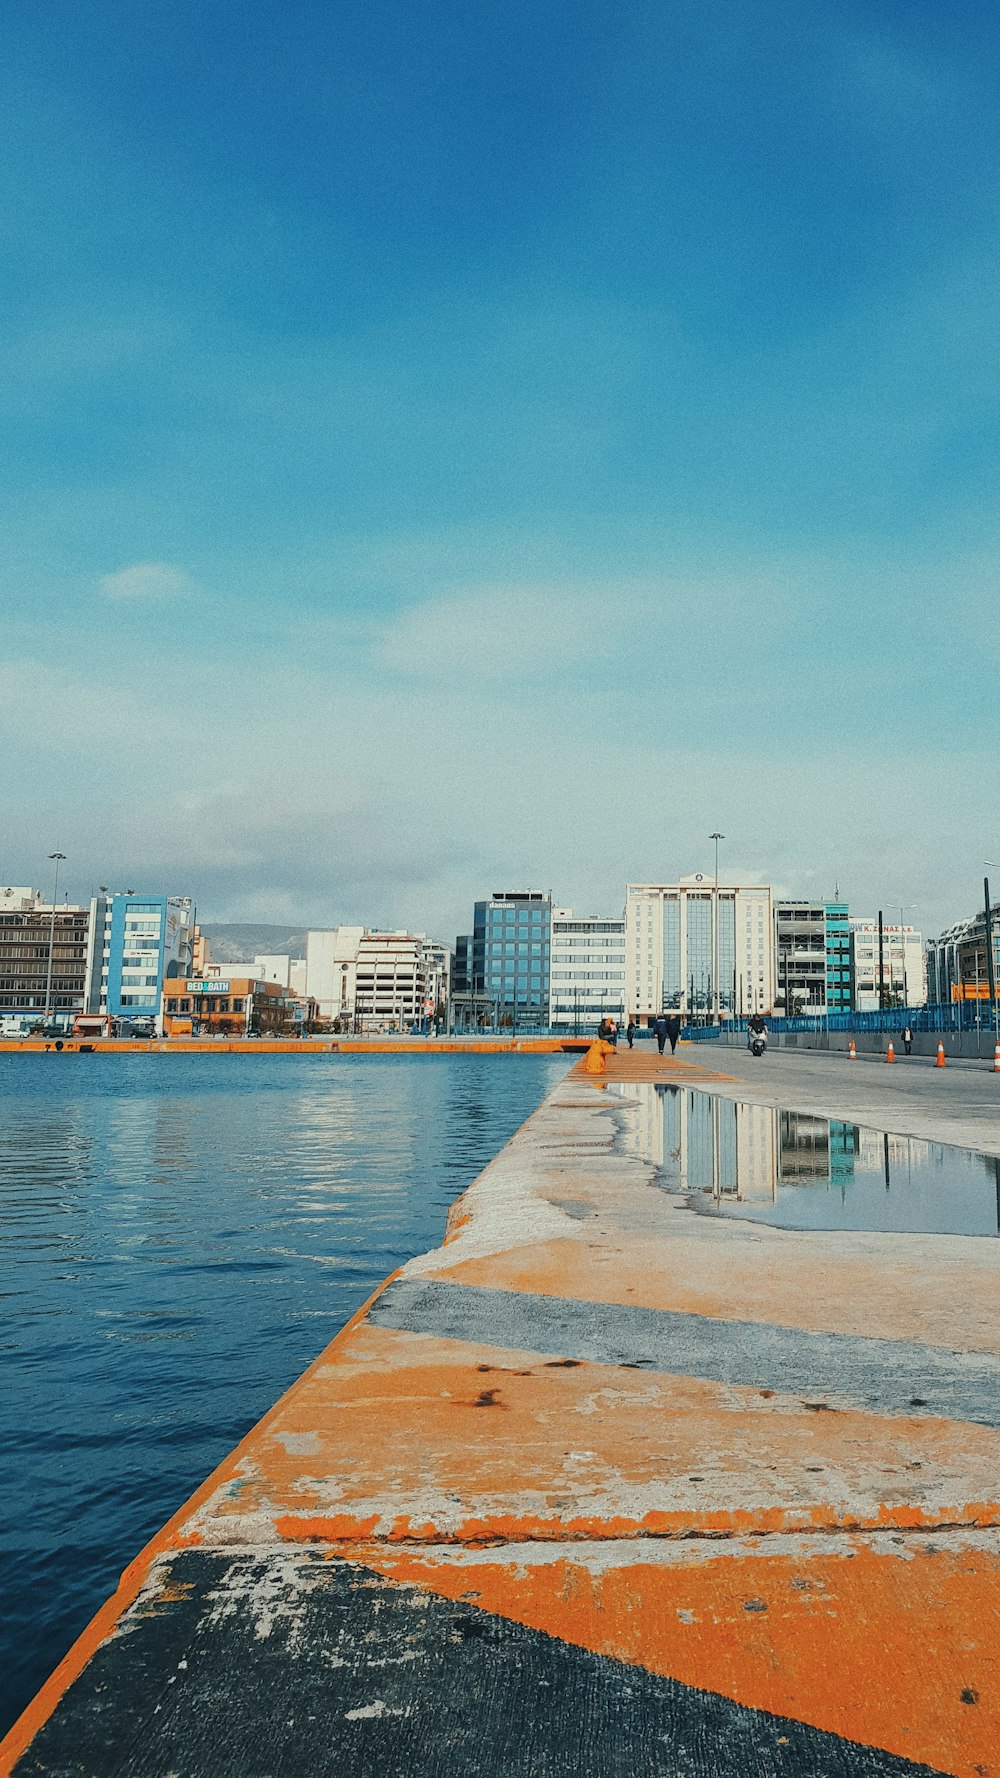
55 858
902 950
990 971
715 932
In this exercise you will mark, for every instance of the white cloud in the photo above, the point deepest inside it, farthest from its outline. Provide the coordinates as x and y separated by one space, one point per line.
491 632
147 581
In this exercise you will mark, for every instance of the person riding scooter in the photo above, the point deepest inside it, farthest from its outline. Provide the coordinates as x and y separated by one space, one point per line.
756 1034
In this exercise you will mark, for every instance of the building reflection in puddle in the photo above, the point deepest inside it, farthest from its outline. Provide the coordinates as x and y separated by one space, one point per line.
799 1170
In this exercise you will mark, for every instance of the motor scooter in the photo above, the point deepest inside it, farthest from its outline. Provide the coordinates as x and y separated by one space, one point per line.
757 1043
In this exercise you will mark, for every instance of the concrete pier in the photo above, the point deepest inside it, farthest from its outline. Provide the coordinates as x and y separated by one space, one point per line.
601 1487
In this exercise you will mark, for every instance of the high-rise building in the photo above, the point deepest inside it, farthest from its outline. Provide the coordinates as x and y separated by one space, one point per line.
587 971
511 939
699 948
801 962
43 958
839 970
137 943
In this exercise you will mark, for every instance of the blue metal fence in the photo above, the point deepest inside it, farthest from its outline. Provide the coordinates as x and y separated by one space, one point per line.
963 1016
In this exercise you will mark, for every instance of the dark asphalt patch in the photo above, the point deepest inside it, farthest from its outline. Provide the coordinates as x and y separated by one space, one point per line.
250 1666
877 1376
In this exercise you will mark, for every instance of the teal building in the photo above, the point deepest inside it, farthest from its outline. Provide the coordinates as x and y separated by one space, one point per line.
839 965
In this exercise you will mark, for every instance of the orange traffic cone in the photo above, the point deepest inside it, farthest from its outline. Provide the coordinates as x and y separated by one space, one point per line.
852 1053
940 1055
890 1054
996 1059
593 1061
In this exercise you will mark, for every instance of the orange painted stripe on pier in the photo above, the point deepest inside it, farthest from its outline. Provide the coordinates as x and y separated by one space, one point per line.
891 1647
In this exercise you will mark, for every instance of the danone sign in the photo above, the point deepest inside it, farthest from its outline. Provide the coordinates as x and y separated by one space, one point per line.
206 987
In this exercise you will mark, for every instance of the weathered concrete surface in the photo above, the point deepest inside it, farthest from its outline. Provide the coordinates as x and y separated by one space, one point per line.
598 1487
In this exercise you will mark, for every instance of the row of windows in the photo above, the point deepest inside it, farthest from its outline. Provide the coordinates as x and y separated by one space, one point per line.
33 985
204 1003
559 927
38 967
69 953
36 1002
587 975
386 975
43 922
576 946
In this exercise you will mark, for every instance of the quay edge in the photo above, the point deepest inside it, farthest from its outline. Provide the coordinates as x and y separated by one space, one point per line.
296 1046
599 1487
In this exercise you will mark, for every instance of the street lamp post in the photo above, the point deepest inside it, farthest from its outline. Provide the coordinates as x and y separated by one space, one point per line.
990 971
902 950
715 933
55 858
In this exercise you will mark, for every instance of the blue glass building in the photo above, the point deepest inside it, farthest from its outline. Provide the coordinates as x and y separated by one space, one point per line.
511 944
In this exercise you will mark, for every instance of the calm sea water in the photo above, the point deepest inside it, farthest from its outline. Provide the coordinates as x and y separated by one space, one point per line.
179 1237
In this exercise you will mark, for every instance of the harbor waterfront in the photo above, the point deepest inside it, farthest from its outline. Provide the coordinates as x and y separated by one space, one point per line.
181 1235
601 1485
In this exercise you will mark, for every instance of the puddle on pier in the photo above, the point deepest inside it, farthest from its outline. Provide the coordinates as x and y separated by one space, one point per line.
730 1158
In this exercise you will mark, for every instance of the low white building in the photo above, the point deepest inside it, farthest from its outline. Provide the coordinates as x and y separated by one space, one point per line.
586 971
288 972
904 966
698 948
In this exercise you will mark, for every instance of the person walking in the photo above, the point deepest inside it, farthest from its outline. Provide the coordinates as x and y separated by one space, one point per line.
673 1031
660 1027
630 1032
906 1039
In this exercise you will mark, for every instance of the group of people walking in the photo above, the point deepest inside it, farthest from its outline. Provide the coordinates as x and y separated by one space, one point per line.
666 1025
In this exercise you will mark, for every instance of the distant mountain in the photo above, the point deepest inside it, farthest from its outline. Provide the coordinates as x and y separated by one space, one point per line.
241 943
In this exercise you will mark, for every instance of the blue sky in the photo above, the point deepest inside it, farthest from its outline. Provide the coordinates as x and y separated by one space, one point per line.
450 448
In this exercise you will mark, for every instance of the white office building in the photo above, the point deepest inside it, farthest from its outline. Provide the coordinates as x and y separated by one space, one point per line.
586 971
331 970
903 980
698 948
374 981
